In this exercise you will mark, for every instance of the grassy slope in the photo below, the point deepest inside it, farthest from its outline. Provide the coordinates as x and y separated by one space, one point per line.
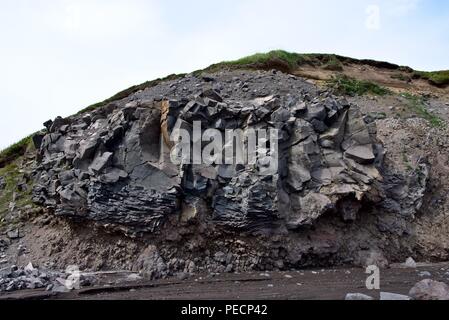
353 87
13 152
278 59
12 177
437 78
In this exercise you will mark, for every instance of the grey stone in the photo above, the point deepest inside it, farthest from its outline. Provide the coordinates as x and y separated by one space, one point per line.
101 162
47 124
57 124
357 297
387 296
113 175
212 94
430 290
299 108
37 140
316 112
87 119
425 274
13 234
361 154
410 263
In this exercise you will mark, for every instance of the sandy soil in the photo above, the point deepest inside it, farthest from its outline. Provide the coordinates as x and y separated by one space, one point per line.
383 77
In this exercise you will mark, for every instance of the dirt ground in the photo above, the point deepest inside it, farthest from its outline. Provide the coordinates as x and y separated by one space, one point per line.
384 77
330 284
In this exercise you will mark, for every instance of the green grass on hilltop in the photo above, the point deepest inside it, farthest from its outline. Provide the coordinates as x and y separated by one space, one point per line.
281 60
333 64
277 59
15 151
352 87
438 78
291 59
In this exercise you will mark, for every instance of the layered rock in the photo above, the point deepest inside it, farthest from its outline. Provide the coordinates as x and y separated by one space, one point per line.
113 166
105 167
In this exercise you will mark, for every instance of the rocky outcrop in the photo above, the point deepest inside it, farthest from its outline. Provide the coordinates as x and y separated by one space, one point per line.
430 290
113 166
332 197
105 168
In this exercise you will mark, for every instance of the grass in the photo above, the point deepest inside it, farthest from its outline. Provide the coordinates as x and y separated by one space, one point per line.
12 176
352 87
15 151
333 64
378 115
291 59
406 161
281 60
438 78
417 104
277 59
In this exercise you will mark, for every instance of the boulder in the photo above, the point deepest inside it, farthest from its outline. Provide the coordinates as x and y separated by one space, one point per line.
57 124
37 139
101 162
430 290
309 208
13 234
47 124
212 94
361 154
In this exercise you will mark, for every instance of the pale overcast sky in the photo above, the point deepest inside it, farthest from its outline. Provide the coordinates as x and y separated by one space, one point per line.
58 56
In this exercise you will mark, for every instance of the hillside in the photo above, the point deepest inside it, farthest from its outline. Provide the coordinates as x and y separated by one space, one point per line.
361 176
322 68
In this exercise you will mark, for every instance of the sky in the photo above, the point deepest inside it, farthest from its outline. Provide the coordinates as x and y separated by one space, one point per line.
59 56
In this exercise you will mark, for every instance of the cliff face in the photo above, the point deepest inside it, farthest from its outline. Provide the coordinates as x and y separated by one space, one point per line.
113 166
329 200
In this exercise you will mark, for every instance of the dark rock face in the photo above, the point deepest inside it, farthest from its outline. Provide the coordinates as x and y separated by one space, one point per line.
108 170
113 167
